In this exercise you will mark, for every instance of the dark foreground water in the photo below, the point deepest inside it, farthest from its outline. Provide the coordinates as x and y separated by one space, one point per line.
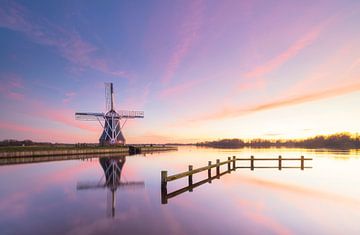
70 197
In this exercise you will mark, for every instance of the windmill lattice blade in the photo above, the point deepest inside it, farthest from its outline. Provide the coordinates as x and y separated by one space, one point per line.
132 184
89 185
108 97
131 114
89 116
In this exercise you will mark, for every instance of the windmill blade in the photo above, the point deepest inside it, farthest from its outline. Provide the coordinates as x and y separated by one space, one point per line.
132 184
131 114
89 116
97 185
109 97
89 185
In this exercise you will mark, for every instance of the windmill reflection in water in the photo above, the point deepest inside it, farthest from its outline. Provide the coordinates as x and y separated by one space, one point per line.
112 167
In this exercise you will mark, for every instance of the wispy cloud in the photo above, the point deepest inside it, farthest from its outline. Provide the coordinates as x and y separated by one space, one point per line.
136 99
69 96
11 86
294 49
188 34
288 101
69 44
256 77
180 88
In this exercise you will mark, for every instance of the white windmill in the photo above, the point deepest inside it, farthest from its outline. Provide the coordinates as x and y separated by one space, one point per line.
111 120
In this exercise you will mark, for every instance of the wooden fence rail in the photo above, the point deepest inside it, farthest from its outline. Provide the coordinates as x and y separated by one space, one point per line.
231 166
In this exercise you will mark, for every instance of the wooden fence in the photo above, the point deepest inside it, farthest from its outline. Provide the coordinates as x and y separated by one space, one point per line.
231 166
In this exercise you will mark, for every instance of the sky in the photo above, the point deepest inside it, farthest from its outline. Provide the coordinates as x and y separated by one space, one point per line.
200 70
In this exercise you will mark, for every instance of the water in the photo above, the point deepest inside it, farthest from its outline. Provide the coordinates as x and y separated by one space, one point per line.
50 197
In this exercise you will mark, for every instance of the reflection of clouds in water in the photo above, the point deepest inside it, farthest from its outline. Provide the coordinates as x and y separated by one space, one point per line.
267 222
14 205
301 190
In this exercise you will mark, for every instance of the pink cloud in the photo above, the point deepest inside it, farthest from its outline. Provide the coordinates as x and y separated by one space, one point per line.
286 55
12 86
65 116
288 101
69 44
254 79
136 101
189 33
69 96
40 134
20 128
252 84
180 88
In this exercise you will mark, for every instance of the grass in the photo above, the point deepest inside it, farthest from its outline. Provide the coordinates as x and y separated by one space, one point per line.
50 147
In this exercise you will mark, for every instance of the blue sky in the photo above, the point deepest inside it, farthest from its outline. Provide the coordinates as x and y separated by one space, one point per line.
200 70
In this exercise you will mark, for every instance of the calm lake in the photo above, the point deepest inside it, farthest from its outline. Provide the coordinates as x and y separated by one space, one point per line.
70 197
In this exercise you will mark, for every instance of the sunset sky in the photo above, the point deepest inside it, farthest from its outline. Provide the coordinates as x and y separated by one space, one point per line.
201 70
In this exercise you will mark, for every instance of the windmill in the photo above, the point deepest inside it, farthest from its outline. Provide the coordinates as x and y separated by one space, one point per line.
112 168
111 120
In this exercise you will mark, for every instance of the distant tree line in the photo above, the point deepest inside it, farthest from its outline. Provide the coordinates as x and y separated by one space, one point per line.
11 142
338 141
14 143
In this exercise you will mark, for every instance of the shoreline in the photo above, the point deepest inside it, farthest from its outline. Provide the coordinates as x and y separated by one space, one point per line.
61 151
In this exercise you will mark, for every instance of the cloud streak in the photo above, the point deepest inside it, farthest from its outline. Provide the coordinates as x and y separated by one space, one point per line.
313 96
180 88
11 86
306 40
189 33
69 44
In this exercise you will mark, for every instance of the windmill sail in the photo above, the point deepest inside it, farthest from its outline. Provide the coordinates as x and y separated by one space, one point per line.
109 97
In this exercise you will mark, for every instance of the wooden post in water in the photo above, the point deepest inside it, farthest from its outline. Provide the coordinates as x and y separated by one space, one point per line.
209 171
190 177
164 187
280 163
302 163
229 164
252 163
163 179
218 168
234 162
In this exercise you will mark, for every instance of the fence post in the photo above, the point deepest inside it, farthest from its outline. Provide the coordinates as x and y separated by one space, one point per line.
163 179
163 187
229 168
234 160
252 163
218 168
190 177
302 163
209 171
164 199
280 166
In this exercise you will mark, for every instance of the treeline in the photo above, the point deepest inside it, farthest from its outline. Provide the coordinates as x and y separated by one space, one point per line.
11 142
338 141
16 143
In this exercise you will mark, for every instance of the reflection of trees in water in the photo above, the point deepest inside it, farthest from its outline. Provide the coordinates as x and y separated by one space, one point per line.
112 167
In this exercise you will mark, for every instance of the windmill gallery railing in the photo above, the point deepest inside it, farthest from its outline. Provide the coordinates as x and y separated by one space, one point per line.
231 166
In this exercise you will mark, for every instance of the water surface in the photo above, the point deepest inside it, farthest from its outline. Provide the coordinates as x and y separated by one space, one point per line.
66 197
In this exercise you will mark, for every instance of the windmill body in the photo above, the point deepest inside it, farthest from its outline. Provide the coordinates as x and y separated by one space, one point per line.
112 122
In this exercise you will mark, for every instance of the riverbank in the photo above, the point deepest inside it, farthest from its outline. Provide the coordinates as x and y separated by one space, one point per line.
39 151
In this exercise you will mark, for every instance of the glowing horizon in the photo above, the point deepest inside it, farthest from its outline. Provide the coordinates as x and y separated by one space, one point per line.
201 70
